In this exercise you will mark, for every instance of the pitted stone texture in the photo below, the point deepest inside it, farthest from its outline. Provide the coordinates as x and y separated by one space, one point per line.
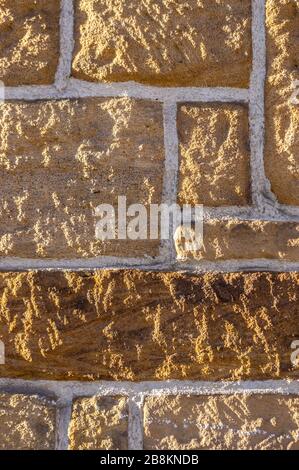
26 423
135 325
228 422
61 159
214 155
169 43
29 41
99 423
240 239
282 117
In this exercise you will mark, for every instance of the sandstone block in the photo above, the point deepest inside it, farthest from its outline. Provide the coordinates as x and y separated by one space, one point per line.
99 423
214 155
169 43
227 422
26 423
136 325
240 239
29 41
282 116
61 159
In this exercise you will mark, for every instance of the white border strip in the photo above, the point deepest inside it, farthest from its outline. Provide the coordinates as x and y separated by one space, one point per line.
63 418
158 265
262 196
82 89
135 425
68 390
171 169
77 263
64 69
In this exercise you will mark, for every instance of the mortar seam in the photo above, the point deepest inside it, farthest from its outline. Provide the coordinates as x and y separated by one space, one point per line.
62 389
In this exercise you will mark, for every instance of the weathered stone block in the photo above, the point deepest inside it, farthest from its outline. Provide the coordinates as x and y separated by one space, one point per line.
61 159
227 422
169 43
99 423
214 155
26 423
282 116
29 41
243 240
135 325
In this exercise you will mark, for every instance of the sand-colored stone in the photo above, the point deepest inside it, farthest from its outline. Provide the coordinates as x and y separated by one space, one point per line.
169 43
29 41
26 423
227 422
61 159
99 423
282 117
135 325
214 155
240 239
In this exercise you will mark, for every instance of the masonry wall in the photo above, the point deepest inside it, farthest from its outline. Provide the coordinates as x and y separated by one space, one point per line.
131 344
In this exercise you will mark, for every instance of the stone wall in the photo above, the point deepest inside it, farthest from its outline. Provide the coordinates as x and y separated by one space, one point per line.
141 344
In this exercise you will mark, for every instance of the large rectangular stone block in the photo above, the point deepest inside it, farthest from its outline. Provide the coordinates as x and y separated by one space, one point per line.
61 159
222 422
169 43
135 325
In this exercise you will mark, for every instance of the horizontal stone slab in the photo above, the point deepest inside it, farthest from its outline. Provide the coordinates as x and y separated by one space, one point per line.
169 43
29 41
242 240
26 422
61 159
135 325
221 422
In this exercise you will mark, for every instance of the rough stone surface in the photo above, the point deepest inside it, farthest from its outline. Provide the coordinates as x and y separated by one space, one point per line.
29 41
214 155
135 325
26 423
282 117
169 43
61 159
239 239
99 423
232 422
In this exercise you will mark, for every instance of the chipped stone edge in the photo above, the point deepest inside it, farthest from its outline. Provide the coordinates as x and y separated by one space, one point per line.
65 392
